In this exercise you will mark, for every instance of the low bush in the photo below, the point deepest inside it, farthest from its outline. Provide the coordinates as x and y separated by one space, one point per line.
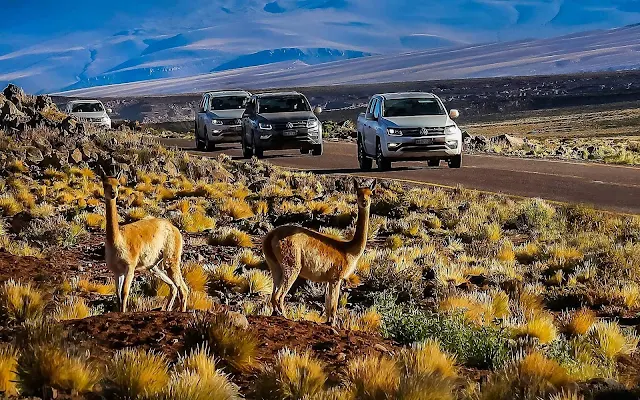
20 302
136 374
293 376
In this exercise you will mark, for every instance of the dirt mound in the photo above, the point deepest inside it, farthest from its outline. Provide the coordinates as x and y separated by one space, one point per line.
162 331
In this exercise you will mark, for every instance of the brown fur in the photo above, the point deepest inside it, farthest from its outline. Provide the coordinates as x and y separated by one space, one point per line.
142 246
292 251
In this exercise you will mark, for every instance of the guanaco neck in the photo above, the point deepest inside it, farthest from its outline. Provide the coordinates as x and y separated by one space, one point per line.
359 241
113 230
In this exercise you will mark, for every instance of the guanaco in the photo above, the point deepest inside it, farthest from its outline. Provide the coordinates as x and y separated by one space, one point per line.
141 246
292 251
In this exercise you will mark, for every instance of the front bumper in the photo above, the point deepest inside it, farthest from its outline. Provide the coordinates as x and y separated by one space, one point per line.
225 133
421 148
276 140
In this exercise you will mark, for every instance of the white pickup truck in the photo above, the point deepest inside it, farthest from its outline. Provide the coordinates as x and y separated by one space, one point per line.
408 127
219 118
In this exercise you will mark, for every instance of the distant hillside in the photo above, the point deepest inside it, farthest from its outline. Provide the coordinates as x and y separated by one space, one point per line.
603 50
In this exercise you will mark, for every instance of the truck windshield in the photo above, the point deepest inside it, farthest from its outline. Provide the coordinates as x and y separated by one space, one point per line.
86 107
412 107
229 103
283 104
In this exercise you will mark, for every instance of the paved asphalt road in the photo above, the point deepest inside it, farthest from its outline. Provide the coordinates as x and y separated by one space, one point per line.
608 187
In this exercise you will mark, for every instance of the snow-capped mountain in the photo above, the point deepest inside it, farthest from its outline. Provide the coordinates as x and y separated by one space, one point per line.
47 46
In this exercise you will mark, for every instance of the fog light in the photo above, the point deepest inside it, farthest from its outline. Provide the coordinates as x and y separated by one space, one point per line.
393 146
265 137
452 144
217 132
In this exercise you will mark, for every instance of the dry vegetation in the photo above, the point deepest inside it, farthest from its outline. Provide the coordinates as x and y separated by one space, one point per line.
485 297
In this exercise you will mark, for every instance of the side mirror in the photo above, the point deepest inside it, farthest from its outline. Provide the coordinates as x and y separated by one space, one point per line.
453 114
317 110
109 111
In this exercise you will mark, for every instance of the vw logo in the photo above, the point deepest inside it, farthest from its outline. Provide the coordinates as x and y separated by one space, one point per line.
289 125
424 132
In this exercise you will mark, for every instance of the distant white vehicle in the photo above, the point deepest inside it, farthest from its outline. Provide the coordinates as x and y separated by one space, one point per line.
91 111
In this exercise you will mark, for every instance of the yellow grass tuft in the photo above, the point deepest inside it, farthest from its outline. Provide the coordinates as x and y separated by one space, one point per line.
293 376
226 275
104 289
473 310
43 210
372 378
72 308
540 326
537 365
237 209
137 374
8 365
250 259
611 342
258 282
261 207
188 385
198 360
164 194
95 221
428 359
300 312
231 237
200 301
20 302
195 276
136 213
493 232
44 364
506 253
195 222
9 205
17 166
580 322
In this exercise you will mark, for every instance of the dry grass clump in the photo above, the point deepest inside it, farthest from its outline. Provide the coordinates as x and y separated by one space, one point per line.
195 276
293 376
200 301
10 206
250 259
49 364
20 302
92 220
8 365
258 282
225 275
231 237
72 308
189 385
136 374
529 378
234 345
237 209
540 326
104 289
580 322
373 378
194 222
198 360
611 342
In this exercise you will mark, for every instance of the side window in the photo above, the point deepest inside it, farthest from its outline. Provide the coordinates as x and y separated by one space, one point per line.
377 111
371 106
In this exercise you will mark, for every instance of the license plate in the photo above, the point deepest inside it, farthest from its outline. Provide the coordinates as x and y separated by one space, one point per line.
424 141
290 133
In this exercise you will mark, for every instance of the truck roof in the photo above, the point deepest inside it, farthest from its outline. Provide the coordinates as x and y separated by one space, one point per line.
221 93
278 94
84 101
407 95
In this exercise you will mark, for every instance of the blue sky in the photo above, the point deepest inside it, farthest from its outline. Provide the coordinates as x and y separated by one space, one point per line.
51 44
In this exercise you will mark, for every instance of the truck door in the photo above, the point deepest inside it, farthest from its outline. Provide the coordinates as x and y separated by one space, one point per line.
370 128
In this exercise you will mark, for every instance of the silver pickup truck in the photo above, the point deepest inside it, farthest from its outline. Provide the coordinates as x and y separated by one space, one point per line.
219 118
408 127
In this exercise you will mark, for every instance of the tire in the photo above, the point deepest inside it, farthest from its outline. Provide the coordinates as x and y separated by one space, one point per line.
382 163
247 152
433 163
259 152
199 144
304 151
364 161
456 161
208 146
317 150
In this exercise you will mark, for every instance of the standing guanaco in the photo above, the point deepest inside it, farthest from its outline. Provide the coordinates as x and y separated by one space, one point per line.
292 251
140 246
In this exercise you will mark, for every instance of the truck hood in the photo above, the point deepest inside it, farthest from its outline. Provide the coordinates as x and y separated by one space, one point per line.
227 114
97 114
430 121
288 116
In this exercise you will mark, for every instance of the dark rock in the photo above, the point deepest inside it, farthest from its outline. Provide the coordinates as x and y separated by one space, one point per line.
33 155
15 95
43 102
508 140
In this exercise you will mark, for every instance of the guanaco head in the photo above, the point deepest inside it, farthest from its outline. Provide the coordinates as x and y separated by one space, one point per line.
110 183
365 191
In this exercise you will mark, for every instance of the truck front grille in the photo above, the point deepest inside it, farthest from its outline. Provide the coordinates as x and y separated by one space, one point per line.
414 132
281 126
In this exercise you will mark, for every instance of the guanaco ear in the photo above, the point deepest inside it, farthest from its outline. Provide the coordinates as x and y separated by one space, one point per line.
373 184
101 173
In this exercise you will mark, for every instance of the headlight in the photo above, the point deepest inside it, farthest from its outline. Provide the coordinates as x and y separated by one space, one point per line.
451 130
312 123
106 119
394 132
265 127
452 144
216 122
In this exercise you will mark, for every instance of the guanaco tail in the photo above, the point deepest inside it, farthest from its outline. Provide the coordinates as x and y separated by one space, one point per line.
140 246
292 251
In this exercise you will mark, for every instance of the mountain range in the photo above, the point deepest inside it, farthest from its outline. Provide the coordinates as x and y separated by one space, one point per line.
48 47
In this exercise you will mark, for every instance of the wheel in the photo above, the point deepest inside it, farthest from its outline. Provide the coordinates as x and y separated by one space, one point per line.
199 144
247 152
433 163
456 161
208 146
317 150
304 151
364 161
381 161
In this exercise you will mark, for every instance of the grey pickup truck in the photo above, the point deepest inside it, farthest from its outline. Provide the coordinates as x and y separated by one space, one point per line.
408 126
279 121
219 118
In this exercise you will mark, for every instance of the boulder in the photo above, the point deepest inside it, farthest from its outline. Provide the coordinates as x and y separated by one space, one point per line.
508 140
44 102
76 156
33 155
15 95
